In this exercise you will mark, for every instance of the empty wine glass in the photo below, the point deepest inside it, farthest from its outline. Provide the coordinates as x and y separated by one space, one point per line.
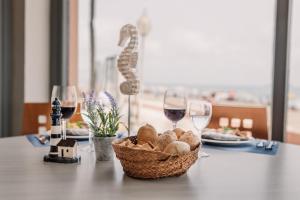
200 112
88 105
68 100
174 105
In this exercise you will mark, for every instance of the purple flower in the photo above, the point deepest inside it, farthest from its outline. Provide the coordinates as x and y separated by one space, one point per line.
89 100
111 99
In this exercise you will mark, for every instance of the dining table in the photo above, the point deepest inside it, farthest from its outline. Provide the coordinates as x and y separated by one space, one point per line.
224 175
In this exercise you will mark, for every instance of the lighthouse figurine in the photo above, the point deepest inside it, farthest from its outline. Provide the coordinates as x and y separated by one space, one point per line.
61 150
55 136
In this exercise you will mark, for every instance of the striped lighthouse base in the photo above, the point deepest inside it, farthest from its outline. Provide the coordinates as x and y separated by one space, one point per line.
50 158
54 140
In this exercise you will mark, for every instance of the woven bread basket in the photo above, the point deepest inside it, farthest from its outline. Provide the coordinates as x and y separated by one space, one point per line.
139 163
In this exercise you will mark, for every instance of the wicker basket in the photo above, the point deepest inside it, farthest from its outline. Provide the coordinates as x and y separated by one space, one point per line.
145 164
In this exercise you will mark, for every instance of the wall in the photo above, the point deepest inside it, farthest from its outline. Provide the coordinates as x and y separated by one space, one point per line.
37 35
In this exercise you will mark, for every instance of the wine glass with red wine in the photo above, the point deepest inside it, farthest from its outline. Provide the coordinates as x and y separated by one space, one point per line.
68 100
175 104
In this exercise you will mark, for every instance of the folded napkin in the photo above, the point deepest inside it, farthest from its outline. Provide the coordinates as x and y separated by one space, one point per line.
249 147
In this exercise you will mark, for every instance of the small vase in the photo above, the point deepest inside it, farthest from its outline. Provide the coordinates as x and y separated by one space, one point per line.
103 148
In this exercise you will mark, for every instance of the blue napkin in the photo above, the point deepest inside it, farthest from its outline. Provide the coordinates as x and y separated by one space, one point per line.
251 148
36 143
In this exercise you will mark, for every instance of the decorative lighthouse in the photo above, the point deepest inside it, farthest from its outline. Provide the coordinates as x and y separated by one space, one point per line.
61 150
55 136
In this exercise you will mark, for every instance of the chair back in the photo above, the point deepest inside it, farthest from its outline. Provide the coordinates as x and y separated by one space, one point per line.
258 114
36 117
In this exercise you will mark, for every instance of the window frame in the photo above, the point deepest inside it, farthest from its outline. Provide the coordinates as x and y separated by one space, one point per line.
281 70
12 60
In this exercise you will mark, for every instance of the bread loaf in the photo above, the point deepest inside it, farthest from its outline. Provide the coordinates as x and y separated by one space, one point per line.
147 134
190 138
177 148
179 132
165 139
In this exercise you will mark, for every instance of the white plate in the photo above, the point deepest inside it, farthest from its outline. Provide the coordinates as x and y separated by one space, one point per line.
228 143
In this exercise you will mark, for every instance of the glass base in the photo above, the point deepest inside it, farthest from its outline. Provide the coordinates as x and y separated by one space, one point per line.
202 154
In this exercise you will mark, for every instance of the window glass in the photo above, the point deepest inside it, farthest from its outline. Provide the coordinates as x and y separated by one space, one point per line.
293 125
218 50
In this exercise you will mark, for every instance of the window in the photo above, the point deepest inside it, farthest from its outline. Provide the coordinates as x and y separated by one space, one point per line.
220 49
84 64
293 125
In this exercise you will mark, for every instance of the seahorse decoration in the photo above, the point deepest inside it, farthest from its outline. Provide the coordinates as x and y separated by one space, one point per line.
128 59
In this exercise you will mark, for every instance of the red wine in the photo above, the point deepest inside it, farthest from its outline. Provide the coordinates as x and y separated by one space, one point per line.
174 114
67 112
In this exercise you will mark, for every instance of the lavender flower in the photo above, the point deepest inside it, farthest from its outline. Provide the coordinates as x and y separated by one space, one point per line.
111 99
89 100
103 121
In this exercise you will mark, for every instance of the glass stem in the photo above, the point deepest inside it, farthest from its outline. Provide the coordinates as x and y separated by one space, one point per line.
200 136
64 127
202 153
90 137
174 125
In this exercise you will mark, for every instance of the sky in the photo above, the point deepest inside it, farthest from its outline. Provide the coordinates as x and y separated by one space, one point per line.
194 42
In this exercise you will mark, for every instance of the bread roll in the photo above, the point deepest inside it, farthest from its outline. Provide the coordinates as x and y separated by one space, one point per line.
190 138
177 148
165 139
147 134
179 132
172 133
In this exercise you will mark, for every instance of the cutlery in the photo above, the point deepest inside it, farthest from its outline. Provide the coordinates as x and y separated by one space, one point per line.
260 144
270 145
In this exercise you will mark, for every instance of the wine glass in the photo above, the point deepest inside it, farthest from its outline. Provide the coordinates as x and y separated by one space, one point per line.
200 112
68 100
174 105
